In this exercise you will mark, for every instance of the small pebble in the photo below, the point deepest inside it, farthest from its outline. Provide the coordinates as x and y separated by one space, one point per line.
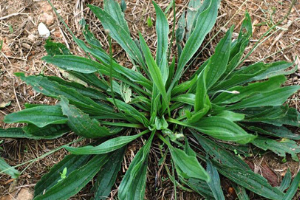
43 31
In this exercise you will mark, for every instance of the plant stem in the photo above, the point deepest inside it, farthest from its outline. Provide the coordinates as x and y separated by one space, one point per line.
122 124
174 121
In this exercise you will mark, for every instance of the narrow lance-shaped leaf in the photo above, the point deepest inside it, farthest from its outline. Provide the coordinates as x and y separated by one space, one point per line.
130 111
205 21
107 176
70 162
107 146
251 89
162 31
114 10
40 116
188 164
223 129
155 72
134 182
75 181
237 170
294 187
273 98
279 147
214 184
7 169
119 34
81 123
218 62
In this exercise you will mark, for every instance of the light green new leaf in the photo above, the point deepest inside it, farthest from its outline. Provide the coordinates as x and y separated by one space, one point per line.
134 182
40 116
107 146
188 165
81 123
273 98
281 148
201 97
75 181
7 169
155 72
223 129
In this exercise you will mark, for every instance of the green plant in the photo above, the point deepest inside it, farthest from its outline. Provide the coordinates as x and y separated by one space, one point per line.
212 119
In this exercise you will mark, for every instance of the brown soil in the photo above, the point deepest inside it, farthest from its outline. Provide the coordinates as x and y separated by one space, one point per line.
23 49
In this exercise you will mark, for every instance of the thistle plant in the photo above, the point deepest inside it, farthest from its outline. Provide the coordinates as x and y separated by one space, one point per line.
206 125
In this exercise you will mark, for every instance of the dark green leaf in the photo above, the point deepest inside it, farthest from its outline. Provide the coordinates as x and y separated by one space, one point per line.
286 181
188 165
114 10
134 182
205 21
294 187
54 48
71 162
40 116
81 123
273 98
162 31
74 181
107 176
119 34
251 89
214 183
279 147
222 129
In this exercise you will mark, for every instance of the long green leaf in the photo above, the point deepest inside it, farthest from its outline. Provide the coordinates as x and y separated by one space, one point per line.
155 72
162 31
107 176
188 165
81 123
119 34
286 181
273 98
246 91
281 148
7 169
214 184
75 181
218 62
114 10
40 116
223 129
293 188
134 182
107 146
205 21
70 162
